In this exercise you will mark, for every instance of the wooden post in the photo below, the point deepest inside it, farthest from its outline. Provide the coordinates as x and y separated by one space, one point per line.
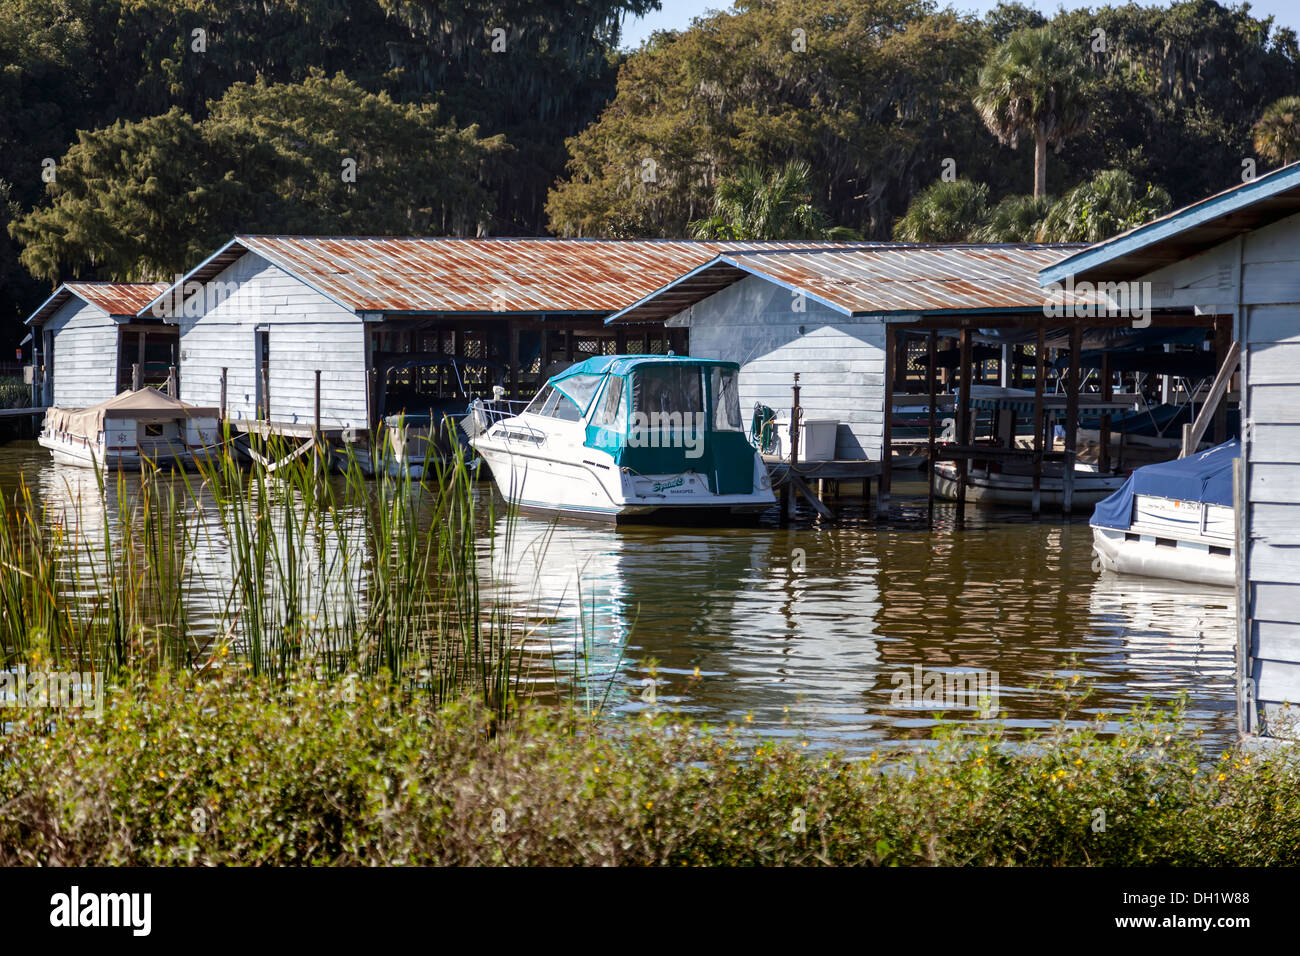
1107 393
795 412
173 386
963 419
317 449
932 353
513 361
138 381
620 341
1222 346
135 377
266 393
1071 419
1040 383
895 347
570 345
222 405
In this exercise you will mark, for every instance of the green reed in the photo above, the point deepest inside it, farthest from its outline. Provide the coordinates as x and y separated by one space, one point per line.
308 568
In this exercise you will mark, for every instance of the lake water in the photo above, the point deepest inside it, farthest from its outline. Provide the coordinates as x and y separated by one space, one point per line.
816 630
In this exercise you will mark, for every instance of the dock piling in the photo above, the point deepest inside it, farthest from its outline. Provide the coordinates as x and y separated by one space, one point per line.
795 411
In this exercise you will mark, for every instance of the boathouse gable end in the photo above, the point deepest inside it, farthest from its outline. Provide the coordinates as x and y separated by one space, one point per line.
83 336
253 306
773 332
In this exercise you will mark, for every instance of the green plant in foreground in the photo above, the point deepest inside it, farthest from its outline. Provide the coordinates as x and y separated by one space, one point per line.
287 570
244 770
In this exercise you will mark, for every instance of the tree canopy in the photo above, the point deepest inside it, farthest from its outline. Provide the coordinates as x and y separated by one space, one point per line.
168 125
148 199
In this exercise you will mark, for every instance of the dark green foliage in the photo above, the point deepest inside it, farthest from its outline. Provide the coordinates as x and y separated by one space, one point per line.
228 769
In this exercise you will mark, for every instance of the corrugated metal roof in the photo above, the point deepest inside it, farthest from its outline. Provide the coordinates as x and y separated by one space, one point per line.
879 279
115 298
429 275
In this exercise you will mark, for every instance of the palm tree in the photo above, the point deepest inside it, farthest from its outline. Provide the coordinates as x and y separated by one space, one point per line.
1035 85
944 212
759 205
1015 219
1277 132
1109 203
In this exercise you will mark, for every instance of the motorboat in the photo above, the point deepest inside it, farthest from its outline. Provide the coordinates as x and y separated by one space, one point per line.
627 438
1173 519
1011 483
132 427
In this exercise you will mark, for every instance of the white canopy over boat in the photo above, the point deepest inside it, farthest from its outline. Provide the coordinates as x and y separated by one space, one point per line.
145 405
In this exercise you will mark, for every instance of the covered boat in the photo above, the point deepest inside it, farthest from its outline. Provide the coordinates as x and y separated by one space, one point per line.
1173 519
631 437
128 428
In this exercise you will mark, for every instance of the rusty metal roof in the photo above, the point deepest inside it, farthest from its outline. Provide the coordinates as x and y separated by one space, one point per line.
879 279
479 276
118 299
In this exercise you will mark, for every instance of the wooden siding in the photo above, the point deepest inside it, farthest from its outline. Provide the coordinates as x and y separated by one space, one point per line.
85 354
1269 327
306 332
840 360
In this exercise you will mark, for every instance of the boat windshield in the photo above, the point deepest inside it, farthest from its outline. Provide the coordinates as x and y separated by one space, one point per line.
551 403
580 388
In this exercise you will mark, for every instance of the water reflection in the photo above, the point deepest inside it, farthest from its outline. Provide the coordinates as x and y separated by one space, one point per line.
786 631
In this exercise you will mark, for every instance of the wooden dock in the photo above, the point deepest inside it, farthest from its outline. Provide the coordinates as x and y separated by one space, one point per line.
796 477
21 412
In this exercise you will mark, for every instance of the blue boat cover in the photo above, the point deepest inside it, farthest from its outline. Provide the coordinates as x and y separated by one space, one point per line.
1204 477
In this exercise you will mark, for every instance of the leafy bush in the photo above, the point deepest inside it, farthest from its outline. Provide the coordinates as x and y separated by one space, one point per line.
238 770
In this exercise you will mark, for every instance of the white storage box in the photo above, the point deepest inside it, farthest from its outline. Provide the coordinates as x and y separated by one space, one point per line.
816 438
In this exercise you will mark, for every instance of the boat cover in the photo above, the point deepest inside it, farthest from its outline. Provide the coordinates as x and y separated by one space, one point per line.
147 404
644 385
1205 477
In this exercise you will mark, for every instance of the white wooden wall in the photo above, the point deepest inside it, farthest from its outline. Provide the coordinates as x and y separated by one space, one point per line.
1262 268
1270 328
307 331
840 360
85 354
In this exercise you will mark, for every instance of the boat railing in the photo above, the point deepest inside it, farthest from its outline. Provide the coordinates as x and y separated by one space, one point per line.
486 412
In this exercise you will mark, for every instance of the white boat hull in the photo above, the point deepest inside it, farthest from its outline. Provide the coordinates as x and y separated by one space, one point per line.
1204 561
561 476
1003 488
95 455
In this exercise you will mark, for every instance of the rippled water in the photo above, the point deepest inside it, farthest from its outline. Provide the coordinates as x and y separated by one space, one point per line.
804 630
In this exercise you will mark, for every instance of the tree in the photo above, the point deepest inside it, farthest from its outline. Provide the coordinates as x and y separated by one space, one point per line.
1014 219
148 199
537 72
759 205
945 212
1034 85
1106 205
872 94
1277 131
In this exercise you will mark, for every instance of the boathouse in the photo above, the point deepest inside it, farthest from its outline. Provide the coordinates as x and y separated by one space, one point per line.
375 320
1238 254
857 324
89 343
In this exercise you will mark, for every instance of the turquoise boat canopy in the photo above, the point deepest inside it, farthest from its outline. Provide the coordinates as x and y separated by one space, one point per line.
664 415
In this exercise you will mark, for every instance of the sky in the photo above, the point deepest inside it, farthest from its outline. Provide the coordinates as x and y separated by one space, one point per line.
677 14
